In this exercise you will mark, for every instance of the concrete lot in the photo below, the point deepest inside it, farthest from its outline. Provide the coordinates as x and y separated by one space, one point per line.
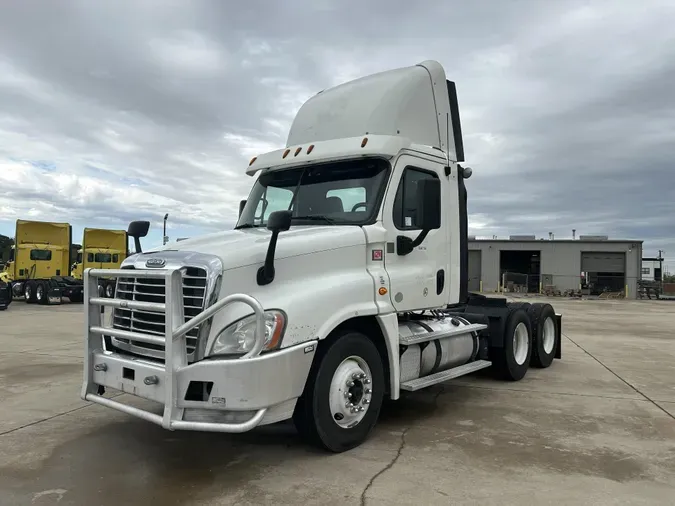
598 427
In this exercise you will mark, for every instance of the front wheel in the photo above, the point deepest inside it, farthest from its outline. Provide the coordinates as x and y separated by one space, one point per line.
110 289
343 395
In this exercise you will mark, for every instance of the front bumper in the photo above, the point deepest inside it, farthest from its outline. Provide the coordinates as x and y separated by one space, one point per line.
214 394
232 395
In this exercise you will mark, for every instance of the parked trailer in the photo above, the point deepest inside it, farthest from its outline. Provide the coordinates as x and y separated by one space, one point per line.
344 281
39 263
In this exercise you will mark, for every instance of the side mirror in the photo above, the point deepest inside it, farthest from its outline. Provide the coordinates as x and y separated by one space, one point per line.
279 221
428 216
242 204
138 229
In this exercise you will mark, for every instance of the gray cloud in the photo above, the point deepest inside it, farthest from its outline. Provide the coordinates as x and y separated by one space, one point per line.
115 111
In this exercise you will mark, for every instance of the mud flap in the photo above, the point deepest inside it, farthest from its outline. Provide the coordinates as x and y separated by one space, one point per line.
558 336
54 296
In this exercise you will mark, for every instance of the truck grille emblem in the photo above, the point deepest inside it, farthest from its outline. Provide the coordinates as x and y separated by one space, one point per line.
155 262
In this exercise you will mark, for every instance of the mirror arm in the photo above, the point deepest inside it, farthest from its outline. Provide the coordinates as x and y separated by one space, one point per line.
405 245
266 273
420 238
137 244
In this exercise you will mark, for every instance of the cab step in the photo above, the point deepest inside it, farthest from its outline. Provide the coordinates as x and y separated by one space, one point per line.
440 334
455 372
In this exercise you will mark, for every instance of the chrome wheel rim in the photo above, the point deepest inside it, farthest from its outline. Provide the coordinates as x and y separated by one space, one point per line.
39 293
520 343
350 392
109 289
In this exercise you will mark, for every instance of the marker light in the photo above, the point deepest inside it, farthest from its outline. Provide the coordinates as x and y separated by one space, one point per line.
286 153
364 142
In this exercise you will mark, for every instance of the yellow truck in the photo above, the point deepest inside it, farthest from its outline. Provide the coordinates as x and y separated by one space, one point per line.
39 263
101 249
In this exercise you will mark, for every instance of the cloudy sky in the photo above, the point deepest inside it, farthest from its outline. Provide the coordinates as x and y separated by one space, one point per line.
113 111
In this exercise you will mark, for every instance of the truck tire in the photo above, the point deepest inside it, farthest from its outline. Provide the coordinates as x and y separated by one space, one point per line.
109 289
29 292
544 333
41 293
513 359
348 369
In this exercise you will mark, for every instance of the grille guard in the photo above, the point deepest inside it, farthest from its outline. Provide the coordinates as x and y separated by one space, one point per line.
174 343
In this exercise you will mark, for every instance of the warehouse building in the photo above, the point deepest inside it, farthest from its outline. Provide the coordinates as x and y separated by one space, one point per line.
592 264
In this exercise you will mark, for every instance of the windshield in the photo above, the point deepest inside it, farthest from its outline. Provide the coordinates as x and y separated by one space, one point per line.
338 193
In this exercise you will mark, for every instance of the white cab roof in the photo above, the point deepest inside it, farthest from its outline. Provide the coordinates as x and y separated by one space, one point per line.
411 102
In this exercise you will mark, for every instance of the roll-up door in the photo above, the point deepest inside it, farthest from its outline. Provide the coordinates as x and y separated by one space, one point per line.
603 262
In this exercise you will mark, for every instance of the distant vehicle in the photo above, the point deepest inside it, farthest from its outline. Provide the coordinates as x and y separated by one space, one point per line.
5 295
101 249
39 263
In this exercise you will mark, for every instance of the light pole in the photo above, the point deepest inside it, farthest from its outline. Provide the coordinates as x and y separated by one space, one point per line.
166 239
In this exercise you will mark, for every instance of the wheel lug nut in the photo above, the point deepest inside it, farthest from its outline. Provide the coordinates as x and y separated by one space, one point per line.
367 381
350 384
355 376
369 391
366 401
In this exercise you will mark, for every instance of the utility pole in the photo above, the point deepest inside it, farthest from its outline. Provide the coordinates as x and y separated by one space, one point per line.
166 239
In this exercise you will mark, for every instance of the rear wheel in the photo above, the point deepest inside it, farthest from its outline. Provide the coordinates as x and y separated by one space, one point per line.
41 293
343 394
29 292
544 333
512 361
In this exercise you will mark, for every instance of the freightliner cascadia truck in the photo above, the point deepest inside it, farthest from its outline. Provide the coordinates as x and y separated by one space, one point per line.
40 260
343 283
102 249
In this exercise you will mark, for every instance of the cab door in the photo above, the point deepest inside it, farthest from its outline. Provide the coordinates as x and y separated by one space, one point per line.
419 279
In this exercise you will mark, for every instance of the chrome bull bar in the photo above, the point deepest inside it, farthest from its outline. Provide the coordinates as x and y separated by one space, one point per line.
175 355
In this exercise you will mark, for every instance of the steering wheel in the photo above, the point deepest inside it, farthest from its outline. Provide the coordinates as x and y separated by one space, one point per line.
360 204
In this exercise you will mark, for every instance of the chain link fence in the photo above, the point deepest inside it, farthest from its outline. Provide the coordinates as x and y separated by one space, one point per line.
588 285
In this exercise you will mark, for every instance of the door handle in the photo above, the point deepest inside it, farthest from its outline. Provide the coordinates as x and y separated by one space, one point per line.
440 281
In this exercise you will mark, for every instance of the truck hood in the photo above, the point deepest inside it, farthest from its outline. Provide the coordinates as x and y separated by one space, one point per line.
240 248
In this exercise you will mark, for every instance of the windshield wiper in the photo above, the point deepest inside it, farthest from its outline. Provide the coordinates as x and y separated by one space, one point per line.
315 217
246 225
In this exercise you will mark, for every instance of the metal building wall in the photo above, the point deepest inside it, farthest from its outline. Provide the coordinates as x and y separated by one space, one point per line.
560 260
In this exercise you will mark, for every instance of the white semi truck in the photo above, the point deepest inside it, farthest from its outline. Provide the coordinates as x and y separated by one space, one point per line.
343 282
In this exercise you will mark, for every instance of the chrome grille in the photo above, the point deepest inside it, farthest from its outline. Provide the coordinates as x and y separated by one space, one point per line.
149 322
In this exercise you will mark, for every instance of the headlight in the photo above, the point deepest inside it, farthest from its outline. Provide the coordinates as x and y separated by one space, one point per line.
238 337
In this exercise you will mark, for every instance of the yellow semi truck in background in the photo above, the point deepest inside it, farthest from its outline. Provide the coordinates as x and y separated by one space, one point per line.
101 249
39 263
